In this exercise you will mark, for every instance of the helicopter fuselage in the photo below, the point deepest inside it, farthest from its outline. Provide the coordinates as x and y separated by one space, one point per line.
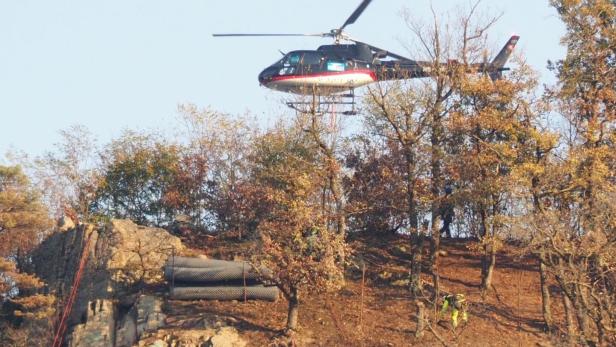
330 69
337 68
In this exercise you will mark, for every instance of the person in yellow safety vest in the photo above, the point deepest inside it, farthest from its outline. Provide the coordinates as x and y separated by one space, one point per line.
458 304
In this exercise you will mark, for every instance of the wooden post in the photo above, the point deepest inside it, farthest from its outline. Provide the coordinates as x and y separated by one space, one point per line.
244 277
361 301
172 268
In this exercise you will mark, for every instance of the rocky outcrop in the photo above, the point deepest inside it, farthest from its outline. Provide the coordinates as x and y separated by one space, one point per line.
107 326
137 254
123 259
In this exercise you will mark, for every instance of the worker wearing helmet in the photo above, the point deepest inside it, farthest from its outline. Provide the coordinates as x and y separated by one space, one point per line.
457 303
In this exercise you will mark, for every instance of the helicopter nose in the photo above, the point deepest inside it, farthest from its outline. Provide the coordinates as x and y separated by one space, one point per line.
266 75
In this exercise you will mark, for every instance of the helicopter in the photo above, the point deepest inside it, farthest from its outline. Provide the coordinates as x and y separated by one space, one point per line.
339 68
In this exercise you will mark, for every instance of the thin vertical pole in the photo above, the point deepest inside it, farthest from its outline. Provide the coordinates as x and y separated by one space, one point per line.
172 268
361 303
244 276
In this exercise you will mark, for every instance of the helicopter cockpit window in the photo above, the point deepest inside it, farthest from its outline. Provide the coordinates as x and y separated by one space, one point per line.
293 59
290 63
301 62
312 58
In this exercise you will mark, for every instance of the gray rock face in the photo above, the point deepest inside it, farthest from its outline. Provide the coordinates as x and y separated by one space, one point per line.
137 253
145 316
122 257
150 314
109 309
99 328
126 330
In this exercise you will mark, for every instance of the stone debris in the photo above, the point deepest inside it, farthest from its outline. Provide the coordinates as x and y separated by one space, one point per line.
220 337
226 337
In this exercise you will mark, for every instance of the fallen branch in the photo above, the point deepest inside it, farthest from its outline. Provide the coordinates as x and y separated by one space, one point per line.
437 335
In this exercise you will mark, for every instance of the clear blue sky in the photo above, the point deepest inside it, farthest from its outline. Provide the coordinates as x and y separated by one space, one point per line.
117 64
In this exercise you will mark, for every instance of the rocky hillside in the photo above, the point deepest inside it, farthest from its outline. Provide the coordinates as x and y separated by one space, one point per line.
121 294
122 299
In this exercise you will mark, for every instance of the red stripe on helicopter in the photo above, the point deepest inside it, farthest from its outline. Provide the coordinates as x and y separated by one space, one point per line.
326 74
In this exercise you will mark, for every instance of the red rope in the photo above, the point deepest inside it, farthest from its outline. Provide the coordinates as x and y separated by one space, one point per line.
61 329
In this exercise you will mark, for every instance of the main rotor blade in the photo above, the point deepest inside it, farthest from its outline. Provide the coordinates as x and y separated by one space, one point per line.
358 11
251 35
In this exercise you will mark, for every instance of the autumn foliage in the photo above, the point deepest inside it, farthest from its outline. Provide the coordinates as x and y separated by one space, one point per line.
23 223
461 154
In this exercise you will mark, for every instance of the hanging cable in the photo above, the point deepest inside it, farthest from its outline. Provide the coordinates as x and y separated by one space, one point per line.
61 328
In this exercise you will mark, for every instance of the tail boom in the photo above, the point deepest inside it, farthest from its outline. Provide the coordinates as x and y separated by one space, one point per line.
497 66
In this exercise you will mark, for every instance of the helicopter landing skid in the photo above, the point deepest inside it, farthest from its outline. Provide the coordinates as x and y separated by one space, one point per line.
321 104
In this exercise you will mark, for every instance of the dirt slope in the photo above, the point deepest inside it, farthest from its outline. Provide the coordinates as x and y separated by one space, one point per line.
510 315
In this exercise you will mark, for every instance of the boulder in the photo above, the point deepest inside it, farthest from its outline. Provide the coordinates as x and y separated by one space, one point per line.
122 257
221 337
226 337
110 310
138 253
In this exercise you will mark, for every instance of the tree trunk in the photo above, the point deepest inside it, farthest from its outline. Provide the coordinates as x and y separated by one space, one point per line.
417 241
293 312
416 233
337 193
435 190
333 173
435 246
545 296
488 265
421 323
581 314
333 176
483 231
570 320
